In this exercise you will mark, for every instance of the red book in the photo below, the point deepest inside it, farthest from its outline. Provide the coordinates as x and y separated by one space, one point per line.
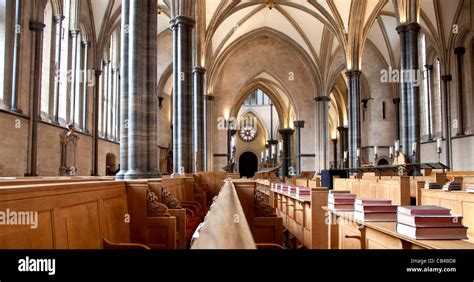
341 201
342 196
374 217
430 220
424 210
342 208
379 208
373 202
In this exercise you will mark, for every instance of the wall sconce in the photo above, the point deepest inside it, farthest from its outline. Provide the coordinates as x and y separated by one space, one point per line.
159 10
160 102
270 5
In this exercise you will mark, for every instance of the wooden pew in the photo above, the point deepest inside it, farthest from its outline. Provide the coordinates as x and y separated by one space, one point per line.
303 216
83 215
396 189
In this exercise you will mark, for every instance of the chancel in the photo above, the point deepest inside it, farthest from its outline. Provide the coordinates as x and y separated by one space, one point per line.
209 124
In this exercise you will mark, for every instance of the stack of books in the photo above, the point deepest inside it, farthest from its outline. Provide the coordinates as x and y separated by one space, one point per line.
433 185
470 188
303 191
341 201
430 223
452 186
375 210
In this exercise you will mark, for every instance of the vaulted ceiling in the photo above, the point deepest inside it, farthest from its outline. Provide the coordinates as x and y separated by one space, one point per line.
319 27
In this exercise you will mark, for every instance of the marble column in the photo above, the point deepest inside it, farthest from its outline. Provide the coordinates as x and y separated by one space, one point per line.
114 103
286 135
85 85
74 35
341 129
199 119
410 91
182 27
58 22
207 114
97 96
142 100
105 91
16 59
334 143
322 127
429 117
37 30
353 77
446 79
124 59
459 52
396 101
299 124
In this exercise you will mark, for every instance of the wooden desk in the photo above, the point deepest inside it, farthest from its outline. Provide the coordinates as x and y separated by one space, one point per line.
302 216
346 233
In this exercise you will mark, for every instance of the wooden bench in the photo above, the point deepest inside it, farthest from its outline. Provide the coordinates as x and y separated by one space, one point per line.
85 215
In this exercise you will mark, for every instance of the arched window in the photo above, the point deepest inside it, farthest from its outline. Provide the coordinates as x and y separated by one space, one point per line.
47 83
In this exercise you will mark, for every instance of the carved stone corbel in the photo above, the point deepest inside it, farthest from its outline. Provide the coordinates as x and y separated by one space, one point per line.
155 208
262 208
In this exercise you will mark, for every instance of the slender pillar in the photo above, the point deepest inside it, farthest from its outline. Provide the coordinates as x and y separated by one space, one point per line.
37 29
429 118
334 143
182 27
124 93
354 117
447 118
199 119
85 85
286 158
340 129
114 104
74 34
396 101
459 52
299 124
322 132
58 22
105 91
207 113
95 163
16 58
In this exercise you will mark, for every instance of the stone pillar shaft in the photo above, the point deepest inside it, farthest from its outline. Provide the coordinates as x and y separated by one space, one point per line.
199 119
182 93
459 52
322 132
354 117
37 29
85 85
286 158
74 34
341 129
334 142
447 118
16 59
58 21
95 163
298 126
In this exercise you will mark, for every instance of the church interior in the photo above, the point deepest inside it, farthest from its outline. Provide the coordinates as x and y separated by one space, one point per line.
236 124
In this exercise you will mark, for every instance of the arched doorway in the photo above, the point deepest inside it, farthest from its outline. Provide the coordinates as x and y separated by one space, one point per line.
248 164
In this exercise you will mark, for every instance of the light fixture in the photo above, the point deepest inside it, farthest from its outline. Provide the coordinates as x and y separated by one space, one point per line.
270 5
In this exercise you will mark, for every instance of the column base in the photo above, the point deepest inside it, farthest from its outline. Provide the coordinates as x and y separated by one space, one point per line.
134 174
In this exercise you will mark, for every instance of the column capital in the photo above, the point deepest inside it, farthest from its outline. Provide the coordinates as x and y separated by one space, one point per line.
299 123
353 73
429 67
182 21
447 78
98 73
396 100
37 26
198 69
341 128
272 142
58 18
322 99
412 26
86 43
459 51
286 131
74 32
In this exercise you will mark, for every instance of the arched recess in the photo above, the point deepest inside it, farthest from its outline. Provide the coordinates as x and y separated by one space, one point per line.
270 91
217 64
